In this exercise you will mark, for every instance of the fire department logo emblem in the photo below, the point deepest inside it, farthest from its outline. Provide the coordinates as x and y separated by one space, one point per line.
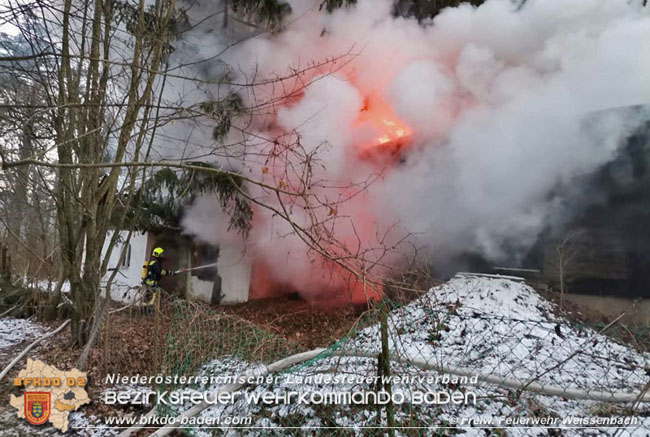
37 407
49 395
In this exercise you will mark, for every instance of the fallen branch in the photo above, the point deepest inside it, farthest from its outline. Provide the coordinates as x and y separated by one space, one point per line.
642 394
8 311
120 309
28 348
65 300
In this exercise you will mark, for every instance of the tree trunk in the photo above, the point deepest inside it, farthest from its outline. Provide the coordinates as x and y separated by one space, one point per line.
561 284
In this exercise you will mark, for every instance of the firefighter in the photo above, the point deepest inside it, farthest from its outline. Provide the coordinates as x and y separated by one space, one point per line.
152 272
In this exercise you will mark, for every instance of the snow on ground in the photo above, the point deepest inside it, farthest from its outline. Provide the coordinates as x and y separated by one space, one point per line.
493 325
15 331
80 424
50 286
502 327
92 426
120 291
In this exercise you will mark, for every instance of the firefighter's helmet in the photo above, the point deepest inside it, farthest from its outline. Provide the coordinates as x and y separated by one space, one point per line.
157 252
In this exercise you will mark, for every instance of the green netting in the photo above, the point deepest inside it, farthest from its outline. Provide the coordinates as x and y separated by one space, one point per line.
198 334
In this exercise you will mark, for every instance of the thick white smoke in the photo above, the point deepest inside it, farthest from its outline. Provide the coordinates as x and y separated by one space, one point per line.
497 100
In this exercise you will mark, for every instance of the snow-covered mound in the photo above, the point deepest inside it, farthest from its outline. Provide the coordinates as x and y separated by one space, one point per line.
501 326
492 325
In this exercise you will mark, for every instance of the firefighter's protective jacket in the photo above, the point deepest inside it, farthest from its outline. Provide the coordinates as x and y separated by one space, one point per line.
155 271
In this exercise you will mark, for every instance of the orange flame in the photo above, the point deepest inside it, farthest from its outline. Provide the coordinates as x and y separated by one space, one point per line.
393 135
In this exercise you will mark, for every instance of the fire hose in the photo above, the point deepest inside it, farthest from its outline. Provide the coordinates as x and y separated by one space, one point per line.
185 270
